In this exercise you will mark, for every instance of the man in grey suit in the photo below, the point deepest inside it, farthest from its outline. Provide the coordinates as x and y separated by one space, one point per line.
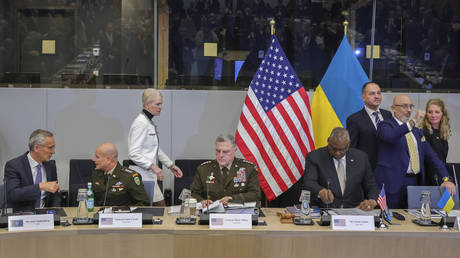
340 176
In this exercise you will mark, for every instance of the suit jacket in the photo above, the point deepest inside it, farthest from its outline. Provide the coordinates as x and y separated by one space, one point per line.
393 159
22 193
360 183
363 134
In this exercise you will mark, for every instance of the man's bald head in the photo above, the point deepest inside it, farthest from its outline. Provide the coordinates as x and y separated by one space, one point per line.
106 156
402 107
108 149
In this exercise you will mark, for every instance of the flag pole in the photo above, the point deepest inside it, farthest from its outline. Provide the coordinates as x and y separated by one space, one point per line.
272 26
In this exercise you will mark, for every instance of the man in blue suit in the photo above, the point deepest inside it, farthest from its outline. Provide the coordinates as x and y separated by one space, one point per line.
402 152
362 125
31 179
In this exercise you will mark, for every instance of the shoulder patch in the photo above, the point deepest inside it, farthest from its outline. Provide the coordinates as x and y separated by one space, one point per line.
137 180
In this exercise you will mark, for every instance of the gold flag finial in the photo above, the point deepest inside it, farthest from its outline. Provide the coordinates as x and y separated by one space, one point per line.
345 23
345 27
272 27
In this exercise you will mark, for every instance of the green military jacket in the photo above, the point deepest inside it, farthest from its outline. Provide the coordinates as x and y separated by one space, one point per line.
124 188
242 184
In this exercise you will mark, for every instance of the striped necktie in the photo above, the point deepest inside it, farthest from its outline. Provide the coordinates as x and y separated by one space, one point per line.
413 154
377 118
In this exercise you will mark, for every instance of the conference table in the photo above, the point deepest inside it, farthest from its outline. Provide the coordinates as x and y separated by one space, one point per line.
273 240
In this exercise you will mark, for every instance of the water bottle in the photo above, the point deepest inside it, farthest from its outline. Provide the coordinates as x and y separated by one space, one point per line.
425 210
305 206
90 200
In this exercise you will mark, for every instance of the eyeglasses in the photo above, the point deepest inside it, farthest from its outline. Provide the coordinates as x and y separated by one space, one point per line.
405 106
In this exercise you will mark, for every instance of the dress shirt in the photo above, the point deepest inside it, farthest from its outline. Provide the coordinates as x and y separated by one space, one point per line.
369 113
33 167
409 169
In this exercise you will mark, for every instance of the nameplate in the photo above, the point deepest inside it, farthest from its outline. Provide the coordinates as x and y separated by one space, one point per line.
120 220
230 221
31 222
353 223
457 224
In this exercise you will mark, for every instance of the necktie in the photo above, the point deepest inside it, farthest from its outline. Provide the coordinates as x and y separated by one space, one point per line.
38 180
413 154
341 174
225 173
377 118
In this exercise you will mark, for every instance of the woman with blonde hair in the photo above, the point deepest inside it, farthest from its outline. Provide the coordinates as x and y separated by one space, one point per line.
436 127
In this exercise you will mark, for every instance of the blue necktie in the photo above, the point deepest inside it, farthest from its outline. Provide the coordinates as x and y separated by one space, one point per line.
377 118
38 180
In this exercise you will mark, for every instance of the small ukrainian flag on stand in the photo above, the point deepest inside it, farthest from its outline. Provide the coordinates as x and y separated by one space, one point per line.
447 204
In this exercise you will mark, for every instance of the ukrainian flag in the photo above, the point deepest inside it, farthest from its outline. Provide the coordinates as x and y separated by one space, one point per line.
339 93
446 202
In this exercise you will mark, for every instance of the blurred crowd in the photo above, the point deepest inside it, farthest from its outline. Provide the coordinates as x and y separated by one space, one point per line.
309 32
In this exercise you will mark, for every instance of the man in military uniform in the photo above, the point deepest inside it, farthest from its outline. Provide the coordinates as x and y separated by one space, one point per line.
113 184
228 178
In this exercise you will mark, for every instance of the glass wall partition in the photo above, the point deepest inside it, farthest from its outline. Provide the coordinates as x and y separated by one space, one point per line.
218 44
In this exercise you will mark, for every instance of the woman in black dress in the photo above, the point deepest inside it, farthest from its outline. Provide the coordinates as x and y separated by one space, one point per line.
436 127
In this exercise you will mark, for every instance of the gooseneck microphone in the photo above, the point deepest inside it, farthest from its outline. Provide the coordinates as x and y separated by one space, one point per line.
209 180
106 189
325 219
328 189
5 199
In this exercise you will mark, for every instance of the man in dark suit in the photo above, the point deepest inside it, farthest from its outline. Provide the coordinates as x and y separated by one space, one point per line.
31 179
362 125
340 176
402 152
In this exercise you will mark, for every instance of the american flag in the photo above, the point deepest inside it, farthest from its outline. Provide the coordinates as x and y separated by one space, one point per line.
275 127
382 201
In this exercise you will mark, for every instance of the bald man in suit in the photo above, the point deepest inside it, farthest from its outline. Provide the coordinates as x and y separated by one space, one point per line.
403 150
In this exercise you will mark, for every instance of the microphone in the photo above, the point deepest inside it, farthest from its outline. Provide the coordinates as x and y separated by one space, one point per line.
106 189
328 189
436 179
455 175
325 219
209 180
5 199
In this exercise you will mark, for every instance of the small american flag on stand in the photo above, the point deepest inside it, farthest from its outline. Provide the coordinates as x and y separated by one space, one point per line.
275 129
382 201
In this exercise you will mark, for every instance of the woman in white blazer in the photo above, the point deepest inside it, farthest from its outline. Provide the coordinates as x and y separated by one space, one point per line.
143 144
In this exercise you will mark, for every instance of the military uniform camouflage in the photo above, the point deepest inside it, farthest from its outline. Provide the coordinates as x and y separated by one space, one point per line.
124 188
241 184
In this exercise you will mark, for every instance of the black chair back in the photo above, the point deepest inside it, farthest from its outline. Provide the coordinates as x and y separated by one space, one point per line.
188 167
80 175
